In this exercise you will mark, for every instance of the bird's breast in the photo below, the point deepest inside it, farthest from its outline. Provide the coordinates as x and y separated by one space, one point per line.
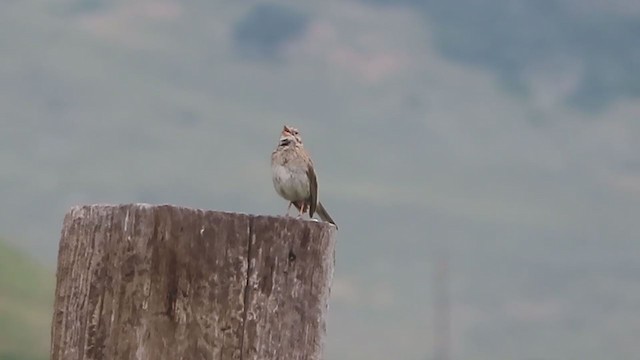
291 183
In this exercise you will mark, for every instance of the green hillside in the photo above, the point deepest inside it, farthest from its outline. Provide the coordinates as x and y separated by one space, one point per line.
26 291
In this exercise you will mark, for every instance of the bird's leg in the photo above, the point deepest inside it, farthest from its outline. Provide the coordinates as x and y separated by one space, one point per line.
304 208
288 209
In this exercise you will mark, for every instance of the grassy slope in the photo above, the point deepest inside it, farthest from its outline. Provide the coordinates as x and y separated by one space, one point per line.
26 291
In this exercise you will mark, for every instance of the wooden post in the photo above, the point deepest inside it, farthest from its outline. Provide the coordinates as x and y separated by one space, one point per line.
168 283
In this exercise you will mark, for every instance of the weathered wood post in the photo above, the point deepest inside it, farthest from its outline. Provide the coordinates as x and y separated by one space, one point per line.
167 283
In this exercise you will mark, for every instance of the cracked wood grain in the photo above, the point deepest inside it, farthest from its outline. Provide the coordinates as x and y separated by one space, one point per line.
164 282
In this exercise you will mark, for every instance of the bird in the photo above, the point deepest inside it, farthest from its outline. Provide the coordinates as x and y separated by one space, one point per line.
294 177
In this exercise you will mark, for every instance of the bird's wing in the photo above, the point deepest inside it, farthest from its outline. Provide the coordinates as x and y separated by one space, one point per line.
313 184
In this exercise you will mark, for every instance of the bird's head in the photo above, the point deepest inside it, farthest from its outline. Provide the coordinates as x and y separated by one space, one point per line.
290 136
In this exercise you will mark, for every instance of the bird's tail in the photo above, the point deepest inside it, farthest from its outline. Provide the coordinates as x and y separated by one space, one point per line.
324 215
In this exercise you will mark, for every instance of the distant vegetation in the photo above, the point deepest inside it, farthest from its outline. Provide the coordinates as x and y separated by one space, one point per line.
26 292
432 124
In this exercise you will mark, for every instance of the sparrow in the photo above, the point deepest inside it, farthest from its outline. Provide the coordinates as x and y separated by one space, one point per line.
294 177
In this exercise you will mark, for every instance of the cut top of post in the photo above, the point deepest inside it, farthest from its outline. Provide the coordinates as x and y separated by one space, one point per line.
165 282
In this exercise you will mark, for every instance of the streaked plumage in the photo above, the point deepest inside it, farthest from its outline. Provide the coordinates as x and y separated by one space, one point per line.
294 177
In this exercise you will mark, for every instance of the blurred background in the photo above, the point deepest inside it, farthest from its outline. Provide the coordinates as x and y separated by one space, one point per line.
482 158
